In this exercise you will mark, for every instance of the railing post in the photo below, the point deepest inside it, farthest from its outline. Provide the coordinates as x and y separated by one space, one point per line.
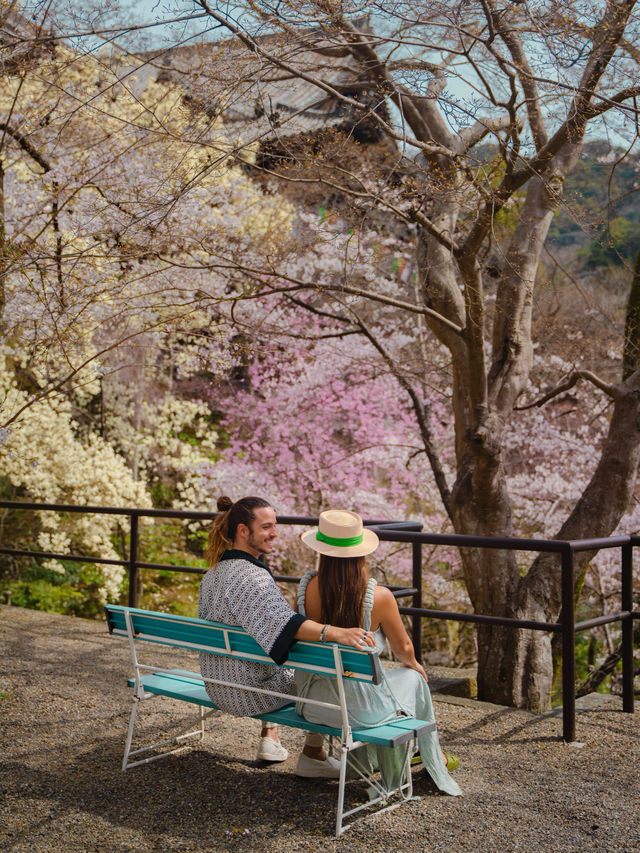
627 628
568 648
133 560
416 621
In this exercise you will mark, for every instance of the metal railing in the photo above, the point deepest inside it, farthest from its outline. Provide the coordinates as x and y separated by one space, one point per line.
411 533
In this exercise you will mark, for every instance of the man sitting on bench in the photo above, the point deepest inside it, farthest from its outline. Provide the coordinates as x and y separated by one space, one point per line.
239 589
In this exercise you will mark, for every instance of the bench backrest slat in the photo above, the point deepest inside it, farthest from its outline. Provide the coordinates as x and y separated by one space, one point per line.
233 641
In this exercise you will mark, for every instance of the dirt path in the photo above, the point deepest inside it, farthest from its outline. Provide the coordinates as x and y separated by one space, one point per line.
63 717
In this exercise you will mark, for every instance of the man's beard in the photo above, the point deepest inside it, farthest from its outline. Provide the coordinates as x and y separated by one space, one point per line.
257 547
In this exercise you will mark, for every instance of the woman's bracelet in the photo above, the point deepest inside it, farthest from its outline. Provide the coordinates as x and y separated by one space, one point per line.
323 633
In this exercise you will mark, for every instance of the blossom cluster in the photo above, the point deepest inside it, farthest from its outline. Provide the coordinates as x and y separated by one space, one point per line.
44 457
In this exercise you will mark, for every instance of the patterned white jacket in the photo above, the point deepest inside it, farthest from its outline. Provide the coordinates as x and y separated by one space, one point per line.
240 590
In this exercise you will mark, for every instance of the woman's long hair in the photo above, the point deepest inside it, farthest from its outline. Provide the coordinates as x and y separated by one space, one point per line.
342 582
224 526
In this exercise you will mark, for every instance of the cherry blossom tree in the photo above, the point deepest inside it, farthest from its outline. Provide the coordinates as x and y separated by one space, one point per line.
103 171
438 81
316 419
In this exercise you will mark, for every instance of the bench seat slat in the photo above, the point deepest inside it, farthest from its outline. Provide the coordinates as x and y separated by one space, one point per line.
385 734
178 686
175 687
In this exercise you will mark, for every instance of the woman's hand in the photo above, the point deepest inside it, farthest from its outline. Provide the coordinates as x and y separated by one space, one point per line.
356 637
385 608
418 668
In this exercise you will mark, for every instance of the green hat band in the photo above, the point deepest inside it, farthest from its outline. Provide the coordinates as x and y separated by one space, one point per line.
341 543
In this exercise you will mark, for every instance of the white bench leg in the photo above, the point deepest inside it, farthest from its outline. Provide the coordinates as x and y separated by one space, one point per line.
174 741
127 746
407 784
344 753
404 789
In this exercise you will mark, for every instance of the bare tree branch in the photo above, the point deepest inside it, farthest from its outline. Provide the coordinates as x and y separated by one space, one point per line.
572 380
422 412
514 44
299 284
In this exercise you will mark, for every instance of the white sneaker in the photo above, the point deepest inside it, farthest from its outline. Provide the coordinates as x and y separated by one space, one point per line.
313 768
271 750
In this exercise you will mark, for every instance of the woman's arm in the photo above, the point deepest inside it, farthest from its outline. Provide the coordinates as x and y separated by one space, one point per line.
385 610
357 637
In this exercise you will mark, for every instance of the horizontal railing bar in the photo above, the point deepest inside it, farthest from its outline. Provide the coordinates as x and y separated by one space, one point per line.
598 544
160 567
388 530
75 558
400 592
502 542
99 510
466 541
482 619
180 513
45 555
602 620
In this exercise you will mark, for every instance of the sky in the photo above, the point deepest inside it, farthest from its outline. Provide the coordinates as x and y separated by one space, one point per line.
147 18
147 12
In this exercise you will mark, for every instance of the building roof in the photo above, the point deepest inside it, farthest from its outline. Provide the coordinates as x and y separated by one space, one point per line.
229 79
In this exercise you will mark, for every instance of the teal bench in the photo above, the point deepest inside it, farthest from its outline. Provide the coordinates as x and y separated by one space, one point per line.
329 659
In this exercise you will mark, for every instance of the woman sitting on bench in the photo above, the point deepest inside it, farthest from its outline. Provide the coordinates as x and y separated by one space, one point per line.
239 589
341 593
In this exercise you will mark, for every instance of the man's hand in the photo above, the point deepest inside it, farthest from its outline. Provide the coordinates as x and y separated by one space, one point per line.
356 637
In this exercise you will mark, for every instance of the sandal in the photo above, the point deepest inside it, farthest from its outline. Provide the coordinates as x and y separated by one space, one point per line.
453 762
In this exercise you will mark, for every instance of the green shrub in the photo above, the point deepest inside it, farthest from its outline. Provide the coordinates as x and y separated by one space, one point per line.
43 595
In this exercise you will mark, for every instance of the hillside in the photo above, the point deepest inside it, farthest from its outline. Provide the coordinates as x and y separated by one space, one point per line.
603 188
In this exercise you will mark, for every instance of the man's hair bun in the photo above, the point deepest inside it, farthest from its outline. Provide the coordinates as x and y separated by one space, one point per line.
224 503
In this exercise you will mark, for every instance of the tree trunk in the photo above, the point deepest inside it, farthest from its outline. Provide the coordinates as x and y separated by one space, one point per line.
526 655
482 507
514 666
631 348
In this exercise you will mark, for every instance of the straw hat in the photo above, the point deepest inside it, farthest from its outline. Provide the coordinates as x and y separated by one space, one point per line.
340 534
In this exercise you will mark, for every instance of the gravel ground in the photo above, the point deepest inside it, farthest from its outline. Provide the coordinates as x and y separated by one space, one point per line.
64 707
